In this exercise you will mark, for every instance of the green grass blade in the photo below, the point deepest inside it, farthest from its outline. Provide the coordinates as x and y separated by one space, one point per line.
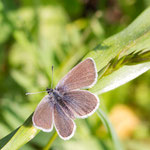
20 136
119 77
110 129
134 38
123 56
50 142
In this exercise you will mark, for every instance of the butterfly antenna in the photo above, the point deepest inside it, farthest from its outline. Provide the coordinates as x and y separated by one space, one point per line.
52 77
35 93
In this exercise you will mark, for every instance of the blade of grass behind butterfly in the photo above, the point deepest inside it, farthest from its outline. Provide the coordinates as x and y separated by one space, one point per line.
134 38
20 136
126 55
119 77
7 138
110 129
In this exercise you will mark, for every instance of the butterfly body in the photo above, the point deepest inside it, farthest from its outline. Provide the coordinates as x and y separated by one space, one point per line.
54 95
57 99
68 101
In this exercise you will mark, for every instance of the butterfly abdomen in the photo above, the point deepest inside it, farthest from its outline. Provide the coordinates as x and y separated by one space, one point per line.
59 100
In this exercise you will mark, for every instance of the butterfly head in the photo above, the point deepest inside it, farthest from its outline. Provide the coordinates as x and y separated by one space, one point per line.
49 90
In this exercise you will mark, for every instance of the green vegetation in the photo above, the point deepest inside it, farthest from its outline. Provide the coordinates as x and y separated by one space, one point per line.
38 34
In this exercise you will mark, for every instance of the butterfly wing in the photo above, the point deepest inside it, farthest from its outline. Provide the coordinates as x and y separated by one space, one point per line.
43 115
64 125
83 75
83 103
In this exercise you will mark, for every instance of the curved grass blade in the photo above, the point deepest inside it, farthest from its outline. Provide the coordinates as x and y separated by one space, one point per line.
50 142
119 77
20 136
110 129
135 38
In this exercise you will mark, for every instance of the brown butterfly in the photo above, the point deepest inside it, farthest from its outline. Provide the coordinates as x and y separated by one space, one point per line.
67 102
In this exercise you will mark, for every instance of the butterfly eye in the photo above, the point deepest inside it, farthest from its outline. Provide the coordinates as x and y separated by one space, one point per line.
49 90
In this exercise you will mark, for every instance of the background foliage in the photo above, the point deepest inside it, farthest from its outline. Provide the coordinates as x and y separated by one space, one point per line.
36 34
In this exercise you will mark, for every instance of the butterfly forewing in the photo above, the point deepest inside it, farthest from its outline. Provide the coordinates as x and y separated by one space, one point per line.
81 102
64 125
43 115
81 76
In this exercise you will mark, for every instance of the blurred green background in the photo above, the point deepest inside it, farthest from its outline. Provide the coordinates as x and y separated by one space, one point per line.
34 35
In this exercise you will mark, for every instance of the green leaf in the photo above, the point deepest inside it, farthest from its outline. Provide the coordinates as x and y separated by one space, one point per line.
119 77
123 56
52 139
134 38
20 136
110 129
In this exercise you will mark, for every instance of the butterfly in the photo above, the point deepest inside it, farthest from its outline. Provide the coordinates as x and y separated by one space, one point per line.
68 101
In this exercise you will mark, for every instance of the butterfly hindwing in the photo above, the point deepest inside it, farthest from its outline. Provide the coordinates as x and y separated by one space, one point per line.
65 126
83 103
43 115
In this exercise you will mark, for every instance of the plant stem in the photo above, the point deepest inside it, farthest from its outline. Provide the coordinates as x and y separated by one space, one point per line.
50 142
110 129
